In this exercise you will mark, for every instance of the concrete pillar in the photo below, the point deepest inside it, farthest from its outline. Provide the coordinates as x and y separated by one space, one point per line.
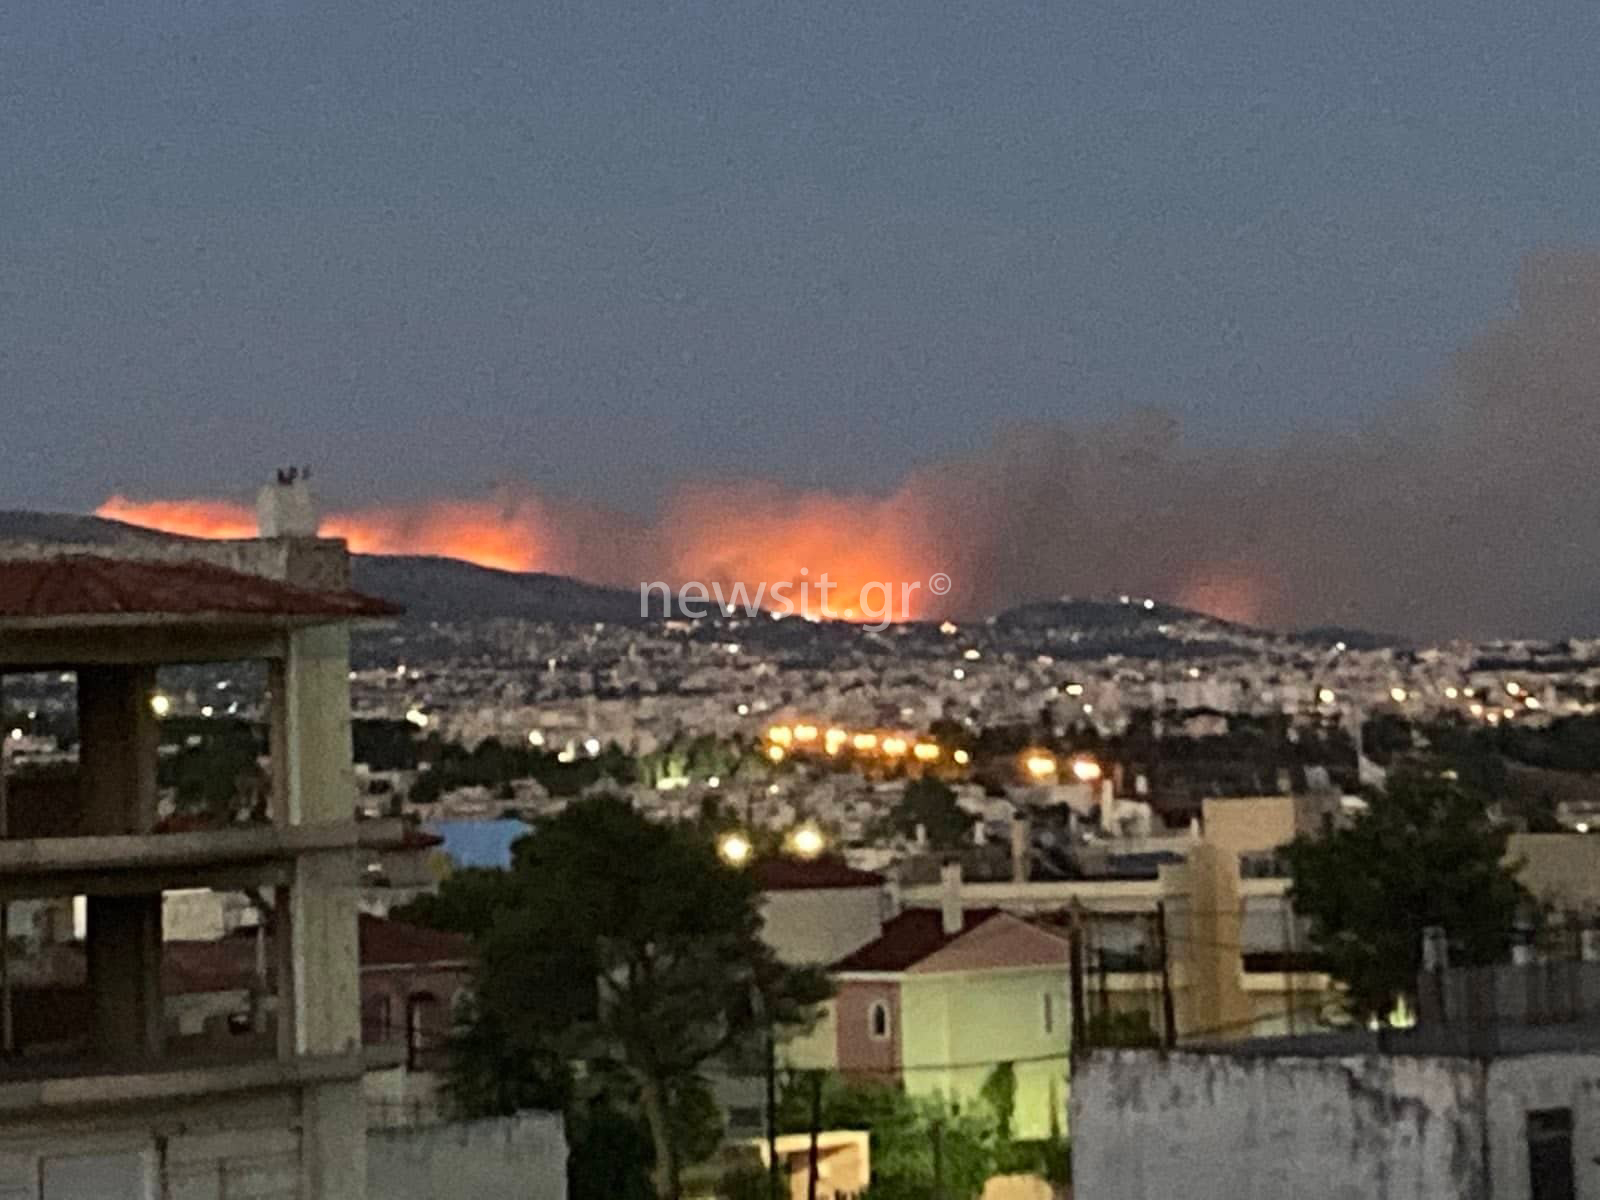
123 948
313 778
314 919
118 737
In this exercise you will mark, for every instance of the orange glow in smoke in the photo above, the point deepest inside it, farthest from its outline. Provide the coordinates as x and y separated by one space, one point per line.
874 550
488 534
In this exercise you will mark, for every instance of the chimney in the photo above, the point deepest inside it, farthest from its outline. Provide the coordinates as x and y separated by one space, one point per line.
1021 848
950 898
285 507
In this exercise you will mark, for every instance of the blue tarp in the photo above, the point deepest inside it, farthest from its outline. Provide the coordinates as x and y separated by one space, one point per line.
478 843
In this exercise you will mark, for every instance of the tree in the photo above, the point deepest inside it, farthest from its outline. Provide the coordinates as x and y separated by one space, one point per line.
1424 853
931 804
629 946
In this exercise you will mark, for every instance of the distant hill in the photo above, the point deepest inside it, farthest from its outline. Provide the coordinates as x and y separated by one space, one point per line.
447 589
429 588
19 526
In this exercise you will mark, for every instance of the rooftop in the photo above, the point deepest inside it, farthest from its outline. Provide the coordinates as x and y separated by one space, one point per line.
914 935
73 588
807 875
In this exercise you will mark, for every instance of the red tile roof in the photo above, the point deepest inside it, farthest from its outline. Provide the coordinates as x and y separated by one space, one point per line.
387 943
89 585
803 875
909 938
226 965
229 964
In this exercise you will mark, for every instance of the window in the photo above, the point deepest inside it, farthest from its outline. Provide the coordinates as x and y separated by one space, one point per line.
423 1032
878 1020
1049 1013
1550 1175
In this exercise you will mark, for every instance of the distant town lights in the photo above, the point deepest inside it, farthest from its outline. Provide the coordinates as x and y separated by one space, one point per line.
780 735
1074 689
160 704
805 733
591 747
417 717
958 674
1397 694
948 628
1513 688
1040 766
1450 693
961 757
894 747
865 742
972 655
743 710
535 737
925 752
1326 696
775 753
1086 770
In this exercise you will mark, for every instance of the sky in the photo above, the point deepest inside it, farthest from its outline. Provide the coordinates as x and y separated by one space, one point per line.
608 252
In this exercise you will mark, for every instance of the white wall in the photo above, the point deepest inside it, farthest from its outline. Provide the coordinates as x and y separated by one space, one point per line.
821 925
507 1158
1522 1084
1220 1127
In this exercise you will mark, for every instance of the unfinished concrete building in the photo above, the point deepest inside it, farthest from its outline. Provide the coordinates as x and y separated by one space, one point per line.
101 1095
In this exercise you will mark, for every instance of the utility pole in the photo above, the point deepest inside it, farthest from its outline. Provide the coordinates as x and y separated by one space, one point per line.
1075 993
1169 1020
773 1172
816 1128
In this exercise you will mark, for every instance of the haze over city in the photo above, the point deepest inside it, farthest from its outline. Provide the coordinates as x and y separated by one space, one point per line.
1287 318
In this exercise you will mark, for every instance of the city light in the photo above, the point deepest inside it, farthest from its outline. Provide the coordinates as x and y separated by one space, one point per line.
961 757
1074 689
807 841
780 735
1397 694
971 655
834 739
415 715
805 733
1450 693
926 752
161 706
1085 770
958 674
894 747
1513 688
865 741
948 628
734 849
591 747
1326 696
535 737
775 753
1533 702
1040 766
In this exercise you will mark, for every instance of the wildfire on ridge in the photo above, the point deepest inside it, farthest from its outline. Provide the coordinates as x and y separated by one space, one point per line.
747 535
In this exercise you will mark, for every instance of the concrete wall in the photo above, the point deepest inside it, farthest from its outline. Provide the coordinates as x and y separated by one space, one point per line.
1517 1086
1147 1126
508 1158
1562 869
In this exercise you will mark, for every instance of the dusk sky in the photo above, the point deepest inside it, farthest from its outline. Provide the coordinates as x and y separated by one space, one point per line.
600 250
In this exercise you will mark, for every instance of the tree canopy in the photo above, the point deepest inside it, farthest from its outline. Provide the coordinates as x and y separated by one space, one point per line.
1424 853
627 946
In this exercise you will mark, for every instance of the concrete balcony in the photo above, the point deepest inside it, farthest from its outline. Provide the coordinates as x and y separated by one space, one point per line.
45 1086
135 864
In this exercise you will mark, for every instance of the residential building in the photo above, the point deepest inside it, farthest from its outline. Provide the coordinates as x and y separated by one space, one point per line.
101 1095
942 998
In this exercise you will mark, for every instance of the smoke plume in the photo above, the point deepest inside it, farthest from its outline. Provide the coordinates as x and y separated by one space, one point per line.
1468 511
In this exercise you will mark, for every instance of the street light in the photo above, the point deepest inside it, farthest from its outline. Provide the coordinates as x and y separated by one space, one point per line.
807 841
1040 765
734 849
